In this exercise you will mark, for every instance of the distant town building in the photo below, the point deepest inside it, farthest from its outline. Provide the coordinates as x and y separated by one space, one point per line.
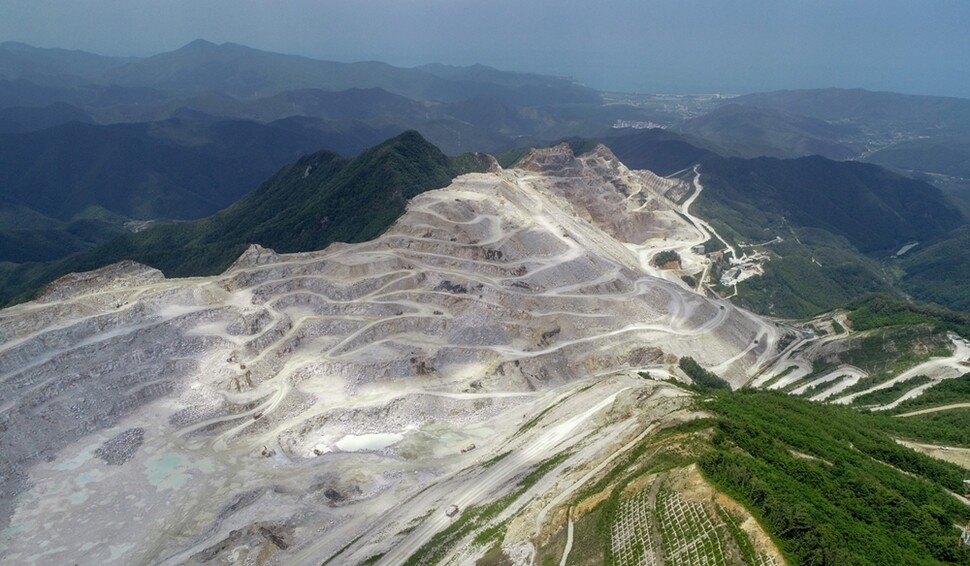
636 125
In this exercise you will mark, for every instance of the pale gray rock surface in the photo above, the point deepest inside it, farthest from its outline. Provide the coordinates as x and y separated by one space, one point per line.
274 412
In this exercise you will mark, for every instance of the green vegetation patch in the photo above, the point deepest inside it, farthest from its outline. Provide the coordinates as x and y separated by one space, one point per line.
802 280
700 376
848 503
748 552
814 390
665 257
880 311
887 352
687 531
940 272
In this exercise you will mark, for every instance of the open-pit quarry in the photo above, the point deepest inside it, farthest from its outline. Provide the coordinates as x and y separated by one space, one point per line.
444 390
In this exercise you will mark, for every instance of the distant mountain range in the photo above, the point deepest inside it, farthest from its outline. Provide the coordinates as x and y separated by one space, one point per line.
244 72
828 222
92 148
927 137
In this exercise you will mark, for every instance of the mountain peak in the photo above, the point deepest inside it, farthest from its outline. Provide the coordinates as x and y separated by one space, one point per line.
15 46
407 137
412 147
199 44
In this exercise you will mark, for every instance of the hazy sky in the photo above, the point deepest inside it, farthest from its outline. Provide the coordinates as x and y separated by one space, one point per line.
731 46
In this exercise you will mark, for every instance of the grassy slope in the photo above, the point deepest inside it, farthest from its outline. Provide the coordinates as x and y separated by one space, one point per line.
946 393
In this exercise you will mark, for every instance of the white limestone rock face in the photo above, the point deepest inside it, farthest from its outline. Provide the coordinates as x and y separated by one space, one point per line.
272 413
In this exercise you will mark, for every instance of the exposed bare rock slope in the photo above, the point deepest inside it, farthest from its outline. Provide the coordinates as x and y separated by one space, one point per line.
285 408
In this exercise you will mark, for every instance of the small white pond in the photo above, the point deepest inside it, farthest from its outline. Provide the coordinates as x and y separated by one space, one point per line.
375 441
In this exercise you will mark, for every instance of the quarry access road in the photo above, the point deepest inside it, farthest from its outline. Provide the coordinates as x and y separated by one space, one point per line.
936 409
936 369
700 223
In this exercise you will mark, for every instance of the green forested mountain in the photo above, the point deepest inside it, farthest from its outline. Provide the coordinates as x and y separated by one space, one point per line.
319 199
924 136
872 208
836 219
322 198
833 485
836 222
173 169
66 188
939 272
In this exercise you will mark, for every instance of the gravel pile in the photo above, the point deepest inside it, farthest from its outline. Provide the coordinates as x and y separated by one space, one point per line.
121 448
